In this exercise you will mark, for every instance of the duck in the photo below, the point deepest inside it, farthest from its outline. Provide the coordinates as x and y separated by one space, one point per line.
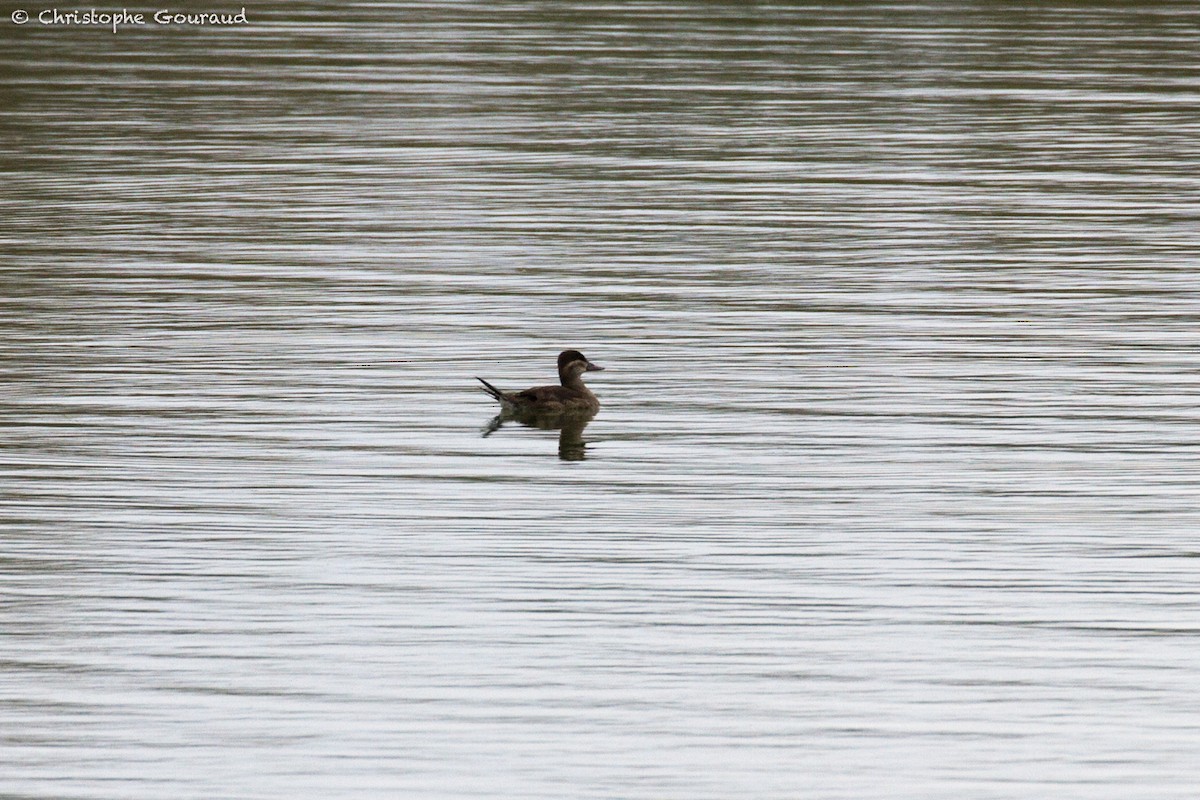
571 396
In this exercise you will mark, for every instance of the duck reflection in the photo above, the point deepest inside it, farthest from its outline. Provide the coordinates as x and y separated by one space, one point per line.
569 424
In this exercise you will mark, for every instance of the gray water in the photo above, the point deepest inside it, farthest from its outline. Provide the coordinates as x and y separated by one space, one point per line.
895 488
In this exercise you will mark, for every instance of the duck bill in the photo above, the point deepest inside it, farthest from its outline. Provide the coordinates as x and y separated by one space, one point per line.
594 367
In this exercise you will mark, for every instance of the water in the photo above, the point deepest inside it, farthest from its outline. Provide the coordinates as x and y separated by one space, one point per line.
894 489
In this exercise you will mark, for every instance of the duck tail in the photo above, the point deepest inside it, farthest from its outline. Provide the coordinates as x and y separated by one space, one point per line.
492 390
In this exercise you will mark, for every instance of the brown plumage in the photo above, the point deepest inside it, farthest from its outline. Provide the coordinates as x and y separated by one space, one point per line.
571 395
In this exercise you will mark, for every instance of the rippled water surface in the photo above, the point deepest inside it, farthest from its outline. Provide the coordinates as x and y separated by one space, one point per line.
895 488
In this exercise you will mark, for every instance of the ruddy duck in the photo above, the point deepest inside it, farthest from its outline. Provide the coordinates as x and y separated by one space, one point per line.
571 396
